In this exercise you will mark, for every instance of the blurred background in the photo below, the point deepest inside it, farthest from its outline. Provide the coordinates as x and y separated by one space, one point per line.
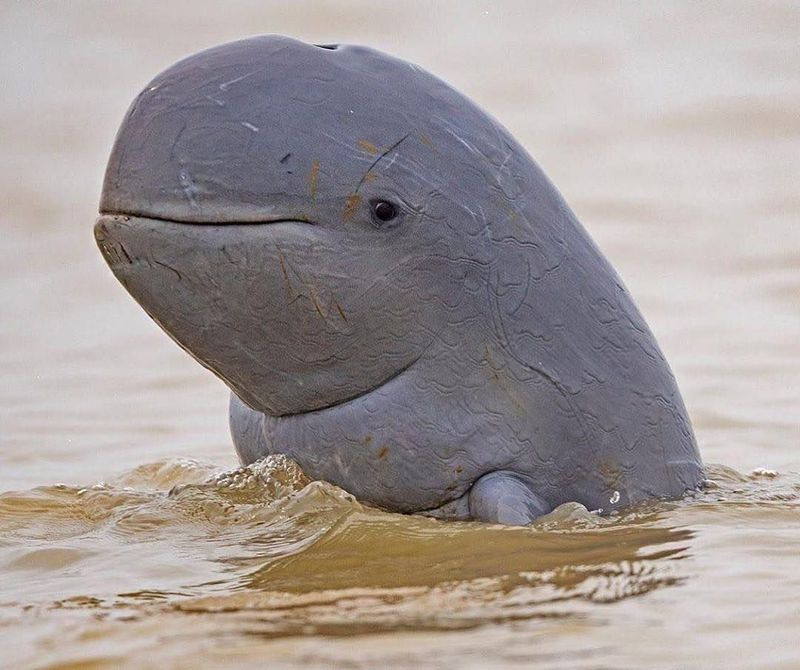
671 128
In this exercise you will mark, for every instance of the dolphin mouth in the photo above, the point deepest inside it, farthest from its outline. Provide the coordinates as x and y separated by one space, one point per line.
117 255
259 220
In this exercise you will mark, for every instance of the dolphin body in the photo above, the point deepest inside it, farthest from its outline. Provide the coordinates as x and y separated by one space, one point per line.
397 296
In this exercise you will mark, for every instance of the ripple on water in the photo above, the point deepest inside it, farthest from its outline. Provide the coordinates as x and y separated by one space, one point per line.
262 550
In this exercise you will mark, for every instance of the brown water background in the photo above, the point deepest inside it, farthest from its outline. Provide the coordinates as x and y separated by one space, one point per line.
673 130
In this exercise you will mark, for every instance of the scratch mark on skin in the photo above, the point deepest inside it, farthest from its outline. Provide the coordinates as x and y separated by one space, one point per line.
369 147
125 253
282 262
250 126
224 85
505 161
385 153
462 140
351 204
313 175
391 162
383 452
168 267
216 101
341 143
340 310
110 251
190 189
313 297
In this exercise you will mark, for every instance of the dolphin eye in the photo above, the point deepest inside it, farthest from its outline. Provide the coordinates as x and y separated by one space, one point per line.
384 210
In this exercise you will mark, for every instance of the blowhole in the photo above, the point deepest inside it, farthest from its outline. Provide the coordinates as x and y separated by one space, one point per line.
331 47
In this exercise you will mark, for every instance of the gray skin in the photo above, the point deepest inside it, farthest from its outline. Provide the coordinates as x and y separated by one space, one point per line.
473 357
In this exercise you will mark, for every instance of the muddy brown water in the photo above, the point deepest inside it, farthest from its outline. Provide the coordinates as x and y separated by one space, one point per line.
127 537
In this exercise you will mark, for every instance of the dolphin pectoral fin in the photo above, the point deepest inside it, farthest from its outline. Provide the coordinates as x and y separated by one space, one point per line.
504 497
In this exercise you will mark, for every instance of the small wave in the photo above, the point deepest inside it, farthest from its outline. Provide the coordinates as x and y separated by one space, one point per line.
185 536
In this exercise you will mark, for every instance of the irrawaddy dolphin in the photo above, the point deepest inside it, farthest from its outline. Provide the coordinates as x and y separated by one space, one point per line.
395 293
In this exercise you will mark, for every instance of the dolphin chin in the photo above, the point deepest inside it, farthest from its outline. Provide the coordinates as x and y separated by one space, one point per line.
160 262
397 296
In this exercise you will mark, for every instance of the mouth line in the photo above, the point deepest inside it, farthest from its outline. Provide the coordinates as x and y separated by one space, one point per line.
190 222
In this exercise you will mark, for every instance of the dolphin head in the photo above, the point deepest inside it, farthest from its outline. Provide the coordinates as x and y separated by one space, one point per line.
283 212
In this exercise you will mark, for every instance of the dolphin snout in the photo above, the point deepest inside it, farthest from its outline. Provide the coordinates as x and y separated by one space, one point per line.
113 250
128 249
